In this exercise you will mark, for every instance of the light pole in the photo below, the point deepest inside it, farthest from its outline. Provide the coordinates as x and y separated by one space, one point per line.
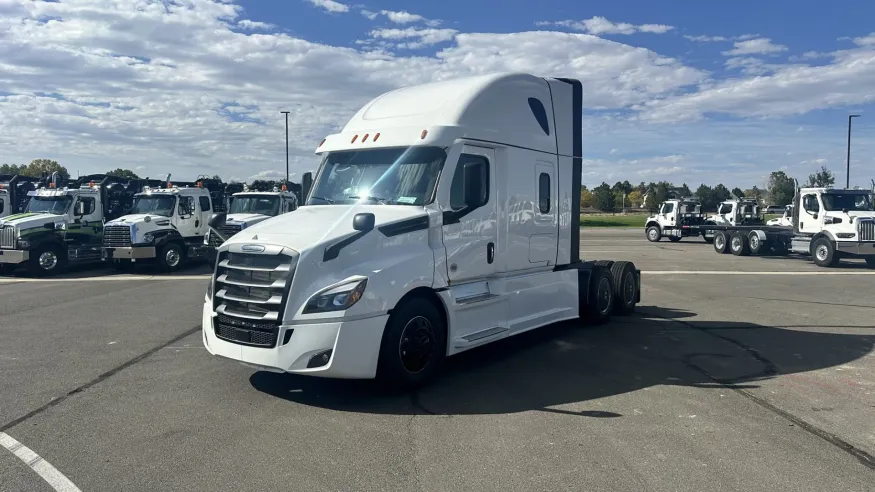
848 171
287 145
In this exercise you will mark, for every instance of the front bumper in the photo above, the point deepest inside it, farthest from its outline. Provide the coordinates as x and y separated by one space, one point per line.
129 253
354 345
14 256
856 248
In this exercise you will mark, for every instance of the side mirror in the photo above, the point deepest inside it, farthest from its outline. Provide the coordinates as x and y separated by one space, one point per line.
473 184
363 222
217 220
80 209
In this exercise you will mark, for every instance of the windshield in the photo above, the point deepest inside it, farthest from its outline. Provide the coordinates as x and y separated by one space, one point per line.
851 202
396 176
157 205
262 205
50 204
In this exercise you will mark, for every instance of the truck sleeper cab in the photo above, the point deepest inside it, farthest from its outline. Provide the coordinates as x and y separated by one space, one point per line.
406 250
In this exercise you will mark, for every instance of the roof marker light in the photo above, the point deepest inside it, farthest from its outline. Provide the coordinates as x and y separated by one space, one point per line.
376 137
365 138
322 142
354 139
423 134
284 188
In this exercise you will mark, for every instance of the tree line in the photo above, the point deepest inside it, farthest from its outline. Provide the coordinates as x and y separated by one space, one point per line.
779 192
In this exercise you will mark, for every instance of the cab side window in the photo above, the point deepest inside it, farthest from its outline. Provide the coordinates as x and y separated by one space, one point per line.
457 188
205 203
186 205
86 205
668 208
809 203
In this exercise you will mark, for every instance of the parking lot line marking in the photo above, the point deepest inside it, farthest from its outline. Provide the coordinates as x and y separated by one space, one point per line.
718 272
43 468
104 279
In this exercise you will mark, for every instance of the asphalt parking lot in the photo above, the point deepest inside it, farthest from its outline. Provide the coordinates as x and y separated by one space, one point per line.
734 374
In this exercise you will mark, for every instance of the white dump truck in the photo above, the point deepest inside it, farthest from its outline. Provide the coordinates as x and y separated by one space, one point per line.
677 218
405 251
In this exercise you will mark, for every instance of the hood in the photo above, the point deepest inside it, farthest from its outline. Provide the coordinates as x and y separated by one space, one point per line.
247 219
136 219
312 225
30 220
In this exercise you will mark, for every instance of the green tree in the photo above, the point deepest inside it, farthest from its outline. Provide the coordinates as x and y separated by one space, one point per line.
656 195
737 192
705 195
822 178
755 193
684 191
635 199
45 167
585 198
123 173
603 197
781 188
13 169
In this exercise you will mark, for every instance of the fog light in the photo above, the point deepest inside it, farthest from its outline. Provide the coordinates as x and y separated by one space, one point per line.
319 359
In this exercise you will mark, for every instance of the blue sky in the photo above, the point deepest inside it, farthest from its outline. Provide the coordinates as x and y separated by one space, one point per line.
686 91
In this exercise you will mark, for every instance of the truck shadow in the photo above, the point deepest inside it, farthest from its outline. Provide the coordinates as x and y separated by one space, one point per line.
569 365
100 270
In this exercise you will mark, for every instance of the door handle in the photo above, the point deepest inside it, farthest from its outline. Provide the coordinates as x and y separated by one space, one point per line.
490 253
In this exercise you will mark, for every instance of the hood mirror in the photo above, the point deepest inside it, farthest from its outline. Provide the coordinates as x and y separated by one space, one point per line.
218 220
363 222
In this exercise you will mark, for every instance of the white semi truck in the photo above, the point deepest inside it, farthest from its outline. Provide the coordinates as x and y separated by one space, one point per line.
165 224
677 218
405 252
248 208
827 224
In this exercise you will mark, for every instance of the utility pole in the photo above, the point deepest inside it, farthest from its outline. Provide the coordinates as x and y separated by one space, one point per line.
287 145
848 171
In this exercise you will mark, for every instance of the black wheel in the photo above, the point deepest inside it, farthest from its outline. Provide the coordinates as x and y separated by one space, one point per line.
170 257
870 261
600 296
779 248
625 287
605 263
738 244
824 253
674 239
47 260
654 234
757 245
721 242
413 346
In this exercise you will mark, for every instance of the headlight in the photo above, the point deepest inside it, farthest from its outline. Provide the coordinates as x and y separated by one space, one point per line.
846 235
338 298
148 237
210 290
23 243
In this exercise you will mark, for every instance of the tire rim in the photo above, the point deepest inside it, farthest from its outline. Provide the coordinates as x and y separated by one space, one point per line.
629 288
171 257
821 252
603 296
736 243
48 260
652 234
417 344
754 242
719 241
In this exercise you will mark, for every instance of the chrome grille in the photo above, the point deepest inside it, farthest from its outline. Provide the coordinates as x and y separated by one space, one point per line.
227 231
866 229
117 236
7 237
251 289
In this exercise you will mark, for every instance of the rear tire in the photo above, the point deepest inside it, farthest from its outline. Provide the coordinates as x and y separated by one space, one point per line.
654 234
413 346
625 287
600 296
824 254
738 244
721 242
757 245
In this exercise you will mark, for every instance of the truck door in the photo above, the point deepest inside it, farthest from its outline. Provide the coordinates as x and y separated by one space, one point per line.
810 218
86 228
187 215
470 229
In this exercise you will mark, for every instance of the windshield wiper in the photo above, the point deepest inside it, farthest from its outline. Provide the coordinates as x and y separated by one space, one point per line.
326 200
382 201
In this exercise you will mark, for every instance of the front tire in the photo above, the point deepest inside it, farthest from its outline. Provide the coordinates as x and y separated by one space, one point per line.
171 257
824 253
413 346
47 260
654 234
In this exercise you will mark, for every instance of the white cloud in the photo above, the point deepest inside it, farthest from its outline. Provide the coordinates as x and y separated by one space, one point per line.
330 6
865 40
599 25
758 46
707 39
401 17
418 38
254 25
370 15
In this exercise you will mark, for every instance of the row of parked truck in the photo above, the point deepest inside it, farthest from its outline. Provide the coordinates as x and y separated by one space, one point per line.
47 225
827 224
